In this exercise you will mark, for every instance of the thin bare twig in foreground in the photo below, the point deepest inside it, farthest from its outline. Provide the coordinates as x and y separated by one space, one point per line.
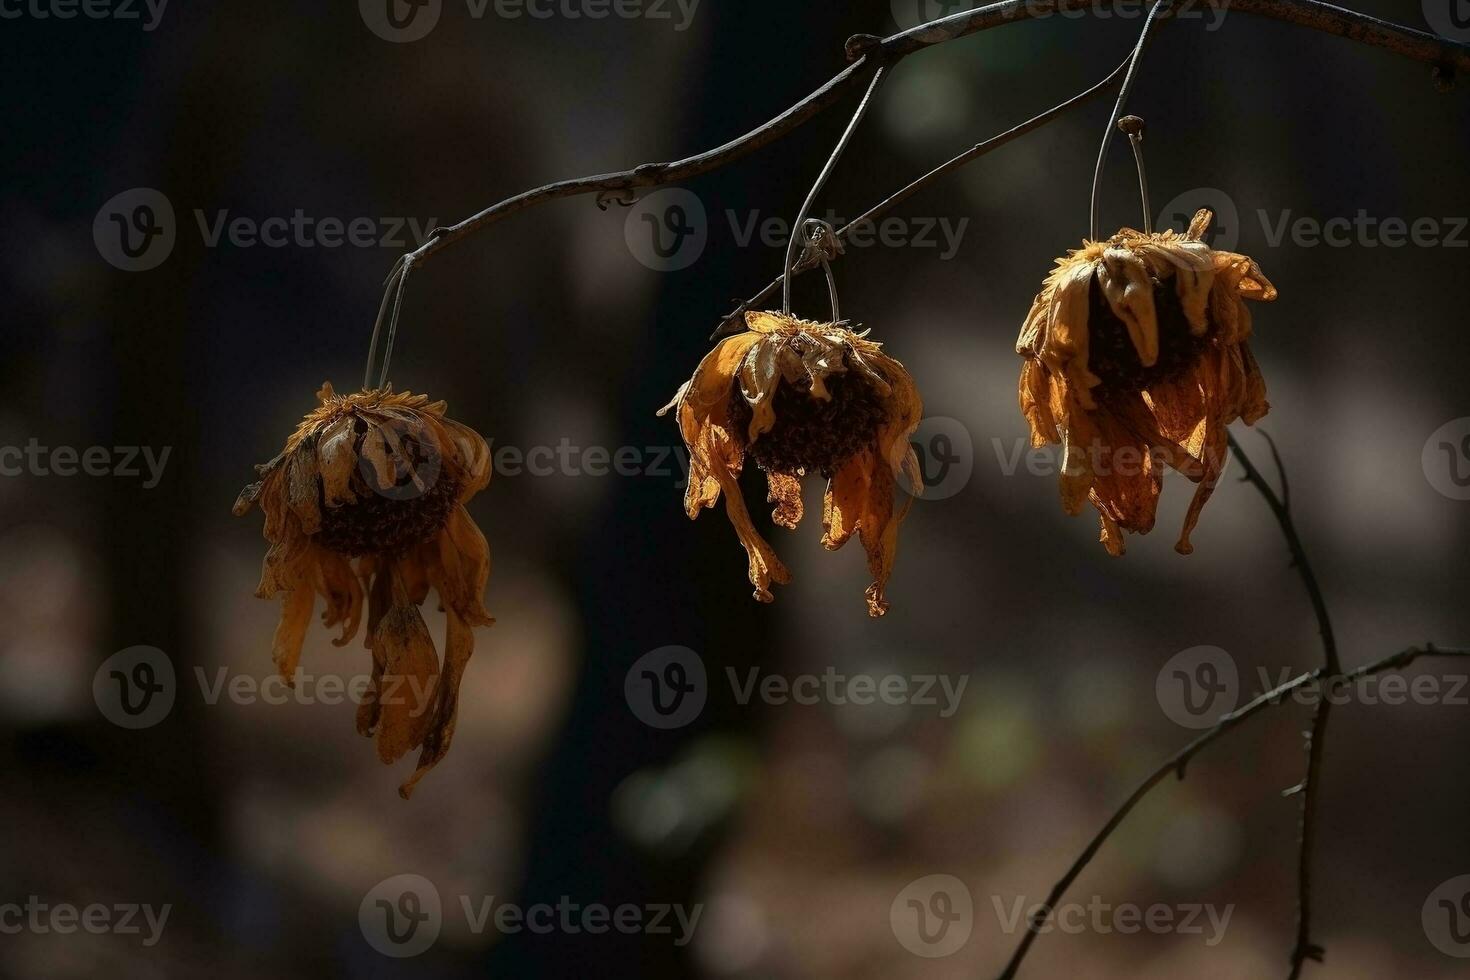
1310 785
1177 763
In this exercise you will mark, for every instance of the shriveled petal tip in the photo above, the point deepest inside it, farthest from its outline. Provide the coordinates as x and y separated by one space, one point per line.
247 498
291 631
1112 536
325 393
673 402
1199 224
763 567
458 647
785 492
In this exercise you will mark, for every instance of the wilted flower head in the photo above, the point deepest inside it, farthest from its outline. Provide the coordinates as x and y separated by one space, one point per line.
1135 358
802 397
380 479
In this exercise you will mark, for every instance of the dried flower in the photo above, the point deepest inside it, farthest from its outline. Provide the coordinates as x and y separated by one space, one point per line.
802 397
1136 358
380 479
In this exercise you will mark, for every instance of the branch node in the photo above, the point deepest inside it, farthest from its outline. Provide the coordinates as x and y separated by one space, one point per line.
622 196
862 45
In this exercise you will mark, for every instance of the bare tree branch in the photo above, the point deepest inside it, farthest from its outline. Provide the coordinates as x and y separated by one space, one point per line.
872 52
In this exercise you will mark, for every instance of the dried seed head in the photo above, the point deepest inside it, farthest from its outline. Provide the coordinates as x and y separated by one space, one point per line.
393 511
812 435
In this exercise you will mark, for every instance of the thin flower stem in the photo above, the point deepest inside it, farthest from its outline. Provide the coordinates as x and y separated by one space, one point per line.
798 227
1179 761
734 322
1107 141
1135 139
1310 787
391 290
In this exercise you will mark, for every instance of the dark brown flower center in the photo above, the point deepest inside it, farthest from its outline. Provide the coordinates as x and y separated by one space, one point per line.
389 520
1110 351
811 435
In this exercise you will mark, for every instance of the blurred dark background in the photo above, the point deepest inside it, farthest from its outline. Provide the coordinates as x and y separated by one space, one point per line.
792 827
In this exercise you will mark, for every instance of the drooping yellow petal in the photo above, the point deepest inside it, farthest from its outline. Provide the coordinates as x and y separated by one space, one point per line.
458 647
842 506
410 673
291 630
1129 290
337 461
